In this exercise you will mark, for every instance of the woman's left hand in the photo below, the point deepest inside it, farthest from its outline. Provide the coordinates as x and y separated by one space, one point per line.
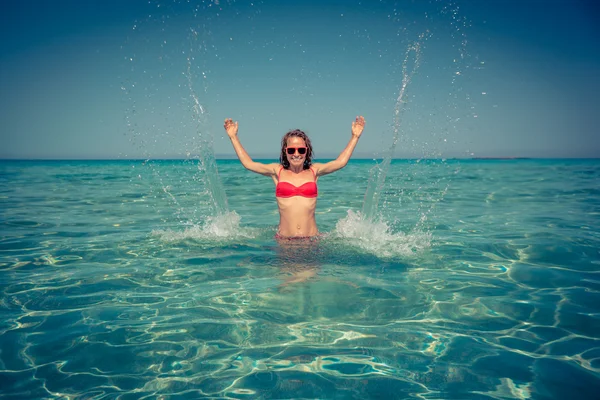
357 126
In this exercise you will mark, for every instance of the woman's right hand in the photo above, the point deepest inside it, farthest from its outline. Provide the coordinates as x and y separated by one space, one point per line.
231 128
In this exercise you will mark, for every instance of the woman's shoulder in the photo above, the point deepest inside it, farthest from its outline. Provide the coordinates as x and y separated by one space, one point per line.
316 167
270 169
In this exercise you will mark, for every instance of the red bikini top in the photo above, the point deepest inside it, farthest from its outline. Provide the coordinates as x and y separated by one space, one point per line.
286 189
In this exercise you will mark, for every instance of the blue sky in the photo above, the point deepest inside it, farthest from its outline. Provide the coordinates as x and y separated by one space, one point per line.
116 79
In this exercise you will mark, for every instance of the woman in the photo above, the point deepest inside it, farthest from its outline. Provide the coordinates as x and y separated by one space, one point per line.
295 177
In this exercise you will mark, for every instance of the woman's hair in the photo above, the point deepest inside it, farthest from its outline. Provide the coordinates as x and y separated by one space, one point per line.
309 151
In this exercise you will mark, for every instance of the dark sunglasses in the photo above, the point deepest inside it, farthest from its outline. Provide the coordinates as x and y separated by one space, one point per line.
292 150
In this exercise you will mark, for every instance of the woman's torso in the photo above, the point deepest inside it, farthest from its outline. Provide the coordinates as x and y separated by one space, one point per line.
296 196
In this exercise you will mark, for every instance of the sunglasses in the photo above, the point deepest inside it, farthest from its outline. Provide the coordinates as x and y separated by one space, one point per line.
292 150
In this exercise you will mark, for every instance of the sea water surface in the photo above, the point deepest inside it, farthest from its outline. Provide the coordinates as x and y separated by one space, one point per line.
478 279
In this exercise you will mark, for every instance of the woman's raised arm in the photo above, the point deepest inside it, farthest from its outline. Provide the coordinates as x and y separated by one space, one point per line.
357 128
264 169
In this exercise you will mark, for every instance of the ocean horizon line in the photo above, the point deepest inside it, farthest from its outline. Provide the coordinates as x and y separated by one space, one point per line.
232 158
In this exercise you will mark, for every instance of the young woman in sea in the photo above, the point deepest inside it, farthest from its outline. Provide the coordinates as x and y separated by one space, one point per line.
295 177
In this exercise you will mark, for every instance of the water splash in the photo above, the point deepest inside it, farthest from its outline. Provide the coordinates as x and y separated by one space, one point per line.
377 238
206 153
378 173
221 227
221 223
365 229
192 188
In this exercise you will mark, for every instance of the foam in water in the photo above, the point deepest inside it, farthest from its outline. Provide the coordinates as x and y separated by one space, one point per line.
377 238
219 227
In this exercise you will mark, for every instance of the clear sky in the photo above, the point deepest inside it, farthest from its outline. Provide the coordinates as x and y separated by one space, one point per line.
119 79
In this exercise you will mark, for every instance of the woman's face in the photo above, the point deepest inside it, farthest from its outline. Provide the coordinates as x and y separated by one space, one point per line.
295 159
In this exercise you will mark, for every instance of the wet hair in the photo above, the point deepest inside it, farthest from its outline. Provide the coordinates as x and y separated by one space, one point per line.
309 151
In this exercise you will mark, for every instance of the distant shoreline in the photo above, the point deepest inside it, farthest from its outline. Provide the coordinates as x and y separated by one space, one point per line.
502 158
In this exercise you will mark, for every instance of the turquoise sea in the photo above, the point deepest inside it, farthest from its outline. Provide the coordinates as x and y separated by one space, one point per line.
473 279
